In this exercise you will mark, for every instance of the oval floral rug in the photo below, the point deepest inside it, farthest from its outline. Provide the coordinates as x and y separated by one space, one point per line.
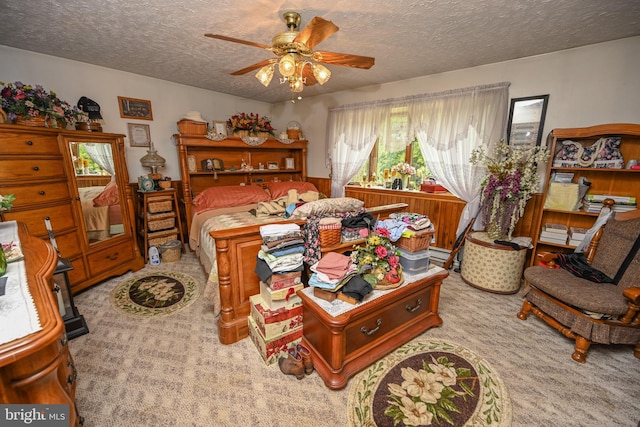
432 383
157 294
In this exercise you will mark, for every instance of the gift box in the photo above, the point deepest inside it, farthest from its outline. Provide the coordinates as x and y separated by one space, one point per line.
273 323
273 349
281 298
432 187
284 280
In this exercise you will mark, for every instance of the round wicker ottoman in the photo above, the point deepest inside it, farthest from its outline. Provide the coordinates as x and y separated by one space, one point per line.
491 267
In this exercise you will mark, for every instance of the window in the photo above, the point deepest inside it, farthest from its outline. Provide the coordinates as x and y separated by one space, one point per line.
391 149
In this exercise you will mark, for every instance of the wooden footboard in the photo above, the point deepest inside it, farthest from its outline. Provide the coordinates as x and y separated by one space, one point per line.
236 251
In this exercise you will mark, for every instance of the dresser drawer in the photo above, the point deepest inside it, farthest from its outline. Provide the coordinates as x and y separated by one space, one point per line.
385 320
44 192
31 169
110 258
68 244
78 275
29 144
61 217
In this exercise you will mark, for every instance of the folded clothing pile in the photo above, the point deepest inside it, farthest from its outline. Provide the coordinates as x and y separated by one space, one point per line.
336 272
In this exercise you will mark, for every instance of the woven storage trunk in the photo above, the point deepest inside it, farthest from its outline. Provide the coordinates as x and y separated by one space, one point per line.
159 205
330 231
418 242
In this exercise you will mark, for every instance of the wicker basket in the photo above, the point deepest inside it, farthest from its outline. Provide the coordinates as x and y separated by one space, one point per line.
171 251
160 237
162 224
330 231
418 242
192 128
160 206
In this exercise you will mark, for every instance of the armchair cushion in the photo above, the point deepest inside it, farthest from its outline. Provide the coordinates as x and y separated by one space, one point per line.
579 293
617 241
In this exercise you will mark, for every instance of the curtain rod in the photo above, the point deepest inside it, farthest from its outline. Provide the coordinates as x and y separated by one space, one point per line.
420 97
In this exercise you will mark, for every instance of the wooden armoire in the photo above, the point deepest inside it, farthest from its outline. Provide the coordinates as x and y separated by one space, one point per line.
39 166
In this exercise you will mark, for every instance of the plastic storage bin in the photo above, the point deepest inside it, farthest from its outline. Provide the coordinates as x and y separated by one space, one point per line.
414 262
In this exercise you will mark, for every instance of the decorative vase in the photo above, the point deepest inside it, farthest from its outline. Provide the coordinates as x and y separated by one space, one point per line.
3 262
38 121
405 181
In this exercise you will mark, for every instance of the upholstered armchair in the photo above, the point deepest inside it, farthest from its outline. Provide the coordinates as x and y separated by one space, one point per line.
587 311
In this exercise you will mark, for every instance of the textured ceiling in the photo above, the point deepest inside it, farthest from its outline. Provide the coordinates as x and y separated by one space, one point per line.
409 38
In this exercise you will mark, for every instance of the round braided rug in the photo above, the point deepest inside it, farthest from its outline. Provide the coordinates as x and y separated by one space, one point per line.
156 294
430 383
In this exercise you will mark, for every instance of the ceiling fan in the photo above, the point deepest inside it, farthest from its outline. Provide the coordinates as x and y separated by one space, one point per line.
297 62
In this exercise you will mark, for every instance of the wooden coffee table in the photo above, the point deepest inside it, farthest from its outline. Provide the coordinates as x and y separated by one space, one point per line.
344 338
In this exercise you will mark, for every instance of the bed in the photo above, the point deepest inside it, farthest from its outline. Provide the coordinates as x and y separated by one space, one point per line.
227 238
101 211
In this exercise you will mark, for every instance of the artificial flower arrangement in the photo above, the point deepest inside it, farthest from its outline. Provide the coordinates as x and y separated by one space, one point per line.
25 101
403 169
6 202
511 181
378 260
251 122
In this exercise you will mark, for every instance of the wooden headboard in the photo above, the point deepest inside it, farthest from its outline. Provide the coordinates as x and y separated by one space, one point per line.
281 162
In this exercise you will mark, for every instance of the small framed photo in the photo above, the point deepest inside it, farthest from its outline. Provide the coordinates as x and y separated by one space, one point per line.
220 128
212 165
289 163
191 163
139 135
131 108
273 165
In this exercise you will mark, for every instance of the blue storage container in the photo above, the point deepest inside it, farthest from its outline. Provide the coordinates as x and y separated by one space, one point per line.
414 262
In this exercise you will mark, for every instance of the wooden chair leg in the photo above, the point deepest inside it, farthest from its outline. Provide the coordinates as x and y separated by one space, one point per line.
525 310
580 353
636 350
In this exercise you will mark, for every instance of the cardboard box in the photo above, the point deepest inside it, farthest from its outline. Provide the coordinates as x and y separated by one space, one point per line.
285 280
273 349
273 323
281 298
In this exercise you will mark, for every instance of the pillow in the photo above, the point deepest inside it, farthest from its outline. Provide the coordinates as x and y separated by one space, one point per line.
280 189
327 206
229 196
108 196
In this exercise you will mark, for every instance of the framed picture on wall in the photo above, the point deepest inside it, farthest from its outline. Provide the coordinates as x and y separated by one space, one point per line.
526 121
139 135
131 108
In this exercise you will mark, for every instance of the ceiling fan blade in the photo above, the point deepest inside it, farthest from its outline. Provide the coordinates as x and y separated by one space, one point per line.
253 67
307 74
316 32
231 39
344 59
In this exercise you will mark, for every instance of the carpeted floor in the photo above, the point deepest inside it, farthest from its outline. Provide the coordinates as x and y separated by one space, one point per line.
172 370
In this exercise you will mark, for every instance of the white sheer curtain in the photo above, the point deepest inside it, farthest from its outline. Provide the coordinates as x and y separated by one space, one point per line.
352 132
449 126
101 154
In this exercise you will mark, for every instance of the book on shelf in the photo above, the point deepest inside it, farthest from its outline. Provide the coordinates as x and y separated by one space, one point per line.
551 237
617 199
556 228
617 207
578 233
574 242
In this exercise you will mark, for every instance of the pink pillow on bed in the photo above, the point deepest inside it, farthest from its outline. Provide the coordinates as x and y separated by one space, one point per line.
108 196
280 189
229 196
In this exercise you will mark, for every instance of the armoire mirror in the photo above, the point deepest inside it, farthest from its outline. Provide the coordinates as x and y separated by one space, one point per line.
95 176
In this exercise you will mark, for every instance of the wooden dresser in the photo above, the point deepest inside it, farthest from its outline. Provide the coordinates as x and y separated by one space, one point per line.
38 368
348 342
36 165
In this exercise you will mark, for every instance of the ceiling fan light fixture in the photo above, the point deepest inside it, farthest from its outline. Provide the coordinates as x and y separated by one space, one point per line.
265 74
296 84
287 65
321 73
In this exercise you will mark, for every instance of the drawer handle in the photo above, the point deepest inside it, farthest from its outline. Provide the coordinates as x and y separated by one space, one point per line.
36 168
374 330
412 309
29 142
113 257
56 288
41 192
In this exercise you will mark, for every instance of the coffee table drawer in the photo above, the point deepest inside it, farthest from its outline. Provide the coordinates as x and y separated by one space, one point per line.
385 320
